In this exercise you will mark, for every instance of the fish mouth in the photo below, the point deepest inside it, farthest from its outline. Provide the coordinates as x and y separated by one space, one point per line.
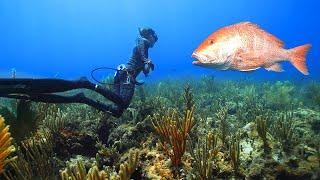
202 60
196 62
197 57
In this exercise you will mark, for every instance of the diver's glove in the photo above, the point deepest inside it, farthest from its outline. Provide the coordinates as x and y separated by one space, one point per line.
148 66
152 66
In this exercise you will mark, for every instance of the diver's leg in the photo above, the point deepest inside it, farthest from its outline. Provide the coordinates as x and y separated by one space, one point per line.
29 85
116 83
35 86
107 93
77 98
126 93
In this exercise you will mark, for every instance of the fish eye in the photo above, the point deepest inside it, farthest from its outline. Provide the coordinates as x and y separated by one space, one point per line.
211 42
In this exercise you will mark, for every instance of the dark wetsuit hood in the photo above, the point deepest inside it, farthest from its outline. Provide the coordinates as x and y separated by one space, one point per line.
147 33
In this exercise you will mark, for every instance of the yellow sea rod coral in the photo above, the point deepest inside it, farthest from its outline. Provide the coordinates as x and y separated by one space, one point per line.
174 132
5 144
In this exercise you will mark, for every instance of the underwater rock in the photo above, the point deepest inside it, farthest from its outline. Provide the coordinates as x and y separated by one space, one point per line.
87 162
293 162
83 119
315 125
156 165
287 172
251 145
252 155
255 169
225 169
232 107
106 156
89 127
123 137
307 119
276 164
104 129
75 143
127 136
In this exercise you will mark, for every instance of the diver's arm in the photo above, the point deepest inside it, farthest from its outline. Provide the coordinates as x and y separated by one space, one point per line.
143 47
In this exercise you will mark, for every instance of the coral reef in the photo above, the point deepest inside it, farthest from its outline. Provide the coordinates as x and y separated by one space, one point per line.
262 131
221 116
187 128
204 155
312 93
284 131
21 117
34 158
174 131
234 153
79 171
279 95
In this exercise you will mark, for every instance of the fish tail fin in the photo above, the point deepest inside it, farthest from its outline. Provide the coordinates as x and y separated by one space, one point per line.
298 57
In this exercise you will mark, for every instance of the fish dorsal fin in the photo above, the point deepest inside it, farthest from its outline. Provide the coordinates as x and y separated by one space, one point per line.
227 31
262 33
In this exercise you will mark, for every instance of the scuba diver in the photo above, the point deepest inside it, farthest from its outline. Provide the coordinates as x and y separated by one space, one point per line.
42 90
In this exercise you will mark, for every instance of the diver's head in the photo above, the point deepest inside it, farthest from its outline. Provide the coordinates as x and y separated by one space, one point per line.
149 34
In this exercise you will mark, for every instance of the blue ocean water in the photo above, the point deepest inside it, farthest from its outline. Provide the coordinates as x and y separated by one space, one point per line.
69 38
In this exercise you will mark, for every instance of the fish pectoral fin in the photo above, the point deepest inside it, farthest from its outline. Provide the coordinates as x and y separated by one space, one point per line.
274 67
249 58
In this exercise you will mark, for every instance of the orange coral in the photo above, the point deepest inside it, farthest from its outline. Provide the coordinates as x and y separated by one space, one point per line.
5 144
174 133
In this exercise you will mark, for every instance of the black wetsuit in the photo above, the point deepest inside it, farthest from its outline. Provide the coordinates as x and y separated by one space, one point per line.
40 90
135 65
